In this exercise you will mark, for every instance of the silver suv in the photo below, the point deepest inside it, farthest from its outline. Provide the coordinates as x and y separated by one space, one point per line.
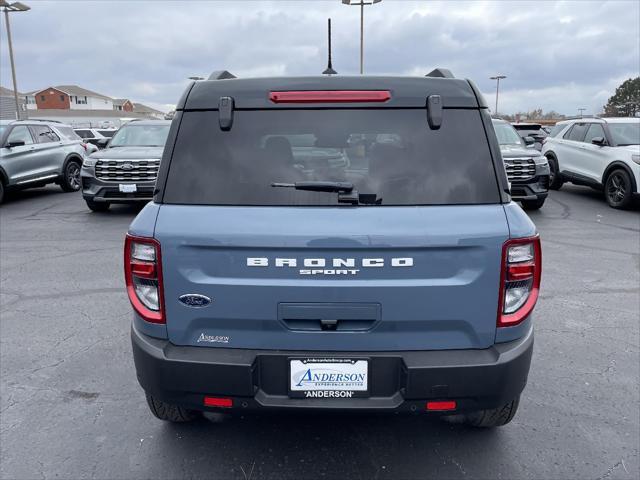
34 153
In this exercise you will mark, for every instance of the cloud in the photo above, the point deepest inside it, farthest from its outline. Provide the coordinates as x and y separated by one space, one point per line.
557 55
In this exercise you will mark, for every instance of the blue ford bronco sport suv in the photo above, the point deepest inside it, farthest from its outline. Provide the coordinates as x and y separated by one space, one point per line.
333 243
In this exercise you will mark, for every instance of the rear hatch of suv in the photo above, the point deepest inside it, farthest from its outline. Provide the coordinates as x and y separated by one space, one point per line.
398 249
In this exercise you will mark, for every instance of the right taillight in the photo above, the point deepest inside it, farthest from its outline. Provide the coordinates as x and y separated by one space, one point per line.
519 279
143 276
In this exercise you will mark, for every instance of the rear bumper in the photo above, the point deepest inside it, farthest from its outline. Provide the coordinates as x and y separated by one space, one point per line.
399 381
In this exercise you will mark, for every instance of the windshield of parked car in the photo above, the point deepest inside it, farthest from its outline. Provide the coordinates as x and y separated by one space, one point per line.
506 134
625 133
386 156
140 136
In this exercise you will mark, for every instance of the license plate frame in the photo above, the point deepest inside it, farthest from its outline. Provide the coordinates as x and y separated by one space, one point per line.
127 187
331 388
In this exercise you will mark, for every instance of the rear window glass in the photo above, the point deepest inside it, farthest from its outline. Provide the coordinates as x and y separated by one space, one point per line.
84 133
390 156
523 132
69 133
107 133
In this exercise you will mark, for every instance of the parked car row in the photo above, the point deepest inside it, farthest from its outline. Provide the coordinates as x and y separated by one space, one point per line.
602 153
36 152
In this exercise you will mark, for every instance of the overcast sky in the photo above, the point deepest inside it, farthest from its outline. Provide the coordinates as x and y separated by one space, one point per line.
557 55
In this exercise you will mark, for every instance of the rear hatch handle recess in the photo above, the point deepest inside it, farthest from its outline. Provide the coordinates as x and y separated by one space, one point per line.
345 190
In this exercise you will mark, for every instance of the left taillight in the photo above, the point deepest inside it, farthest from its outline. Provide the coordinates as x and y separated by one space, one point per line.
519 280
143 276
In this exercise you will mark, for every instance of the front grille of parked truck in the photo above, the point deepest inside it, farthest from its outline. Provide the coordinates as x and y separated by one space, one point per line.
520 168
143 170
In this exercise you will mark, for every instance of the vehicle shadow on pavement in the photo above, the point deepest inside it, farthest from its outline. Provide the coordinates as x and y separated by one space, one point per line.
53 193
330 446
19 196
130 209
597 195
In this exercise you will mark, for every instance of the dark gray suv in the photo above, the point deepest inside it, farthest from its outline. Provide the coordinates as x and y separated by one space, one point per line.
34 153
527 169
125 171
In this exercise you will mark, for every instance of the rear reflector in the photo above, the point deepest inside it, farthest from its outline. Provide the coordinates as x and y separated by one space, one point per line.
143 269
330 96
521 271
441 406
218 402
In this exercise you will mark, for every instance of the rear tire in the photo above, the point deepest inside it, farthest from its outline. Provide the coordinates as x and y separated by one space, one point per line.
533 204
70 181
494 417
555 177
170 413
1 190
617 189
97 207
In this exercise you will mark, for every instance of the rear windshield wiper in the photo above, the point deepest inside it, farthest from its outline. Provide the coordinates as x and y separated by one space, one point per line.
340 187
345 190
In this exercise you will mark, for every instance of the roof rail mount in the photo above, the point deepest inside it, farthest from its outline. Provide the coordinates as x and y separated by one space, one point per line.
440 73
221 75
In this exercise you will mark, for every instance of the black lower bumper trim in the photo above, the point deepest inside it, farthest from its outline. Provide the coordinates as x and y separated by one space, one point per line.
99 191
536 188
399 381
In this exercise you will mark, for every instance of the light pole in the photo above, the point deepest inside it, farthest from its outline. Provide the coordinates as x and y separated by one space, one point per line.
497 78
361 4
13 7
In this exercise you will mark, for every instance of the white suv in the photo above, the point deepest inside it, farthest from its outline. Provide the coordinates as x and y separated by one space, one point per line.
603 153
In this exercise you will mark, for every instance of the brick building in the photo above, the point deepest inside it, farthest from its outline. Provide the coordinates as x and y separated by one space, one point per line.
70 97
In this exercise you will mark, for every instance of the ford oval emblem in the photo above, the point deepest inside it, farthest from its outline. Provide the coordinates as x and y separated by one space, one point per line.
195 300
127 166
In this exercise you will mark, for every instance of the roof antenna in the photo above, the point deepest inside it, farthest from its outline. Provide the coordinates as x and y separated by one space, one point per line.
329 70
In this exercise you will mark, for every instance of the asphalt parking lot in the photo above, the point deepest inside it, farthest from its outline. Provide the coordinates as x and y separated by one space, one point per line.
71 407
